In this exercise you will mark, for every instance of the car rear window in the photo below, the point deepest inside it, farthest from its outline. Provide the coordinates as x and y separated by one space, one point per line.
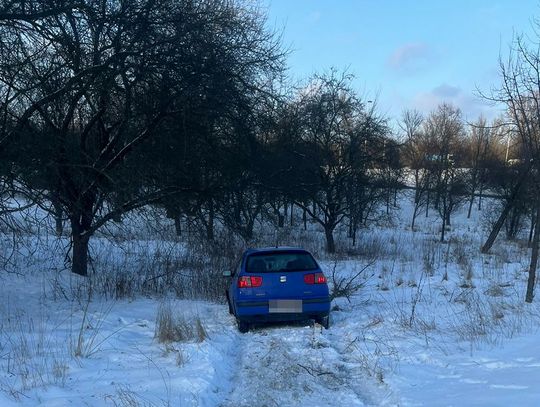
280 262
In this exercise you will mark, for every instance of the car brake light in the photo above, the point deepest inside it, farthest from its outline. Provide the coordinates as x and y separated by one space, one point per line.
249 281
317 278
309 278
244 282
320 278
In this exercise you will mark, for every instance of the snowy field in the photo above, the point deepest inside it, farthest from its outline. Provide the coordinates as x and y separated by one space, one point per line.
431 325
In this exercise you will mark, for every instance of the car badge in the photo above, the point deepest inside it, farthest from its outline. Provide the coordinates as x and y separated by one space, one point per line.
282 279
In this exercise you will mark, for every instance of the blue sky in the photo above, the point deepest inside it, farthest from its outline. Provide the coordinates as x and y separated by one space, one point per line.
407 54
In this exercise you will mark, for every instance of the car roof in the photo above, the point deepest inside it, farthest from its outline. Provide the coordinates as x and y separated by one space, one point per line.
275 249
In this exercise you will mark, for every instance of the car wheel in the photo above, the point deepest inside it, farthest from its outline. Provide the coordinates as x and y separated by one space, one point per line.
325 321
243 326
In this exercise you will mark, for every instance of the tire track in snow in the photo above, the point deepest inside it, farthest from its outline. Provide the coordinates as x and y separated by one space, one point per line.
359 369
294 366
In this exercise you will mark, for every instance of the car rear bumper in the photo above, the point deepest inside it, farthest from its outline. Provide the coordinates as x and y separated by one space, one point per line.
254 311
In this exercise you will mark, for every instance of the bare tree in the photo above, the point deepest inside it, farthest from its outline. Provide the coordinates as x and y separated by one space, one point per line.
520 91
480 138
339 139
416 152
102 83
444 129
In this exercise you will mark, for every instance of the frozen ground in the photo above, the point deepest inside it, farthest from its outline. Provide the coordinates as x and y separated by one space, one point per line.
433 325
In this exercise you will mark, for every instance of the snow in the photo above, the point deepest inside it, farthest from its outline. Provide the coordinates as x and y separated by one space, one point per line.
433 325
494 377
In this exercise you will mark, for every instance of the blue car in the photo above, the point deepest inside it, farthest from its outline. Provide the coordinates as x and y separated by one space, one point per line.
277 284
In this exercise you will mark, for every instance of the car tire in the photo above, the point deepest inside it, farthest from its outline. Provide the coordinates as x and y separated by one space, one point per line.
325 321
243 326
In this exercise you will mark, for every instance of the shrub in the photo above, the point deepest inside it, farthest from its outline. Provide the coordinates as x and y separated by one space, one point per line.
177 328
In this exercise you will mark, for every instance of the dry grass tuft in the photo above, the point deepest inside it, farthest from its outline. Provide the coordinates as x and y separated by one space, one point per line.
177 328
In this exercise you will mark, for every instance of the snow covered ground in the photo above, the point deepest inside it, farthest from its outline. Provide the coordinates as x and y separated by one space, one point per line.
433 325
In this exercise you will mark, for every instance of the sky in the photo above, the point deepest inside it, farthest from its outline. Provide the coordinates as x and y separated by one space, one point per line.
404 54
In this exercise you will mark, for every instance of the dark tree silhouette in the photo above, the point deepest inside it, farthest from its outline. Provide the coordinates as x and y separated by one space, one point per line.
94 85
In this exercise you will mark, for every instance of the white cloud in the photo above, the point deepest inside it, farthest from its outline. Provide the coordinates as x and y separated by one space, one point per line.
411 58
470 105
447 91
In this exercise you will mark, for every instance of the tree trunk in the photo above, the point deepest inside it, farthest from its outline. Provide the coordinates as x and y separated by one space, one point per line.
81 223
438 189
427 203
354 227
473 188
248 229
79 264
304 218
414 216
210 224
330 244
481 191
443 228
531 230
278 215
177 225
502 217
292 213
496 228
534 260
471 202
512 227
58 222
480 201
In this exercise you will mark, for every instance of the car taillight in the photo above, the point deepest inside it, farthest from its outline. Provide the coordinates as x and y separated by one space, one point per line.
317 278
249 281
309 278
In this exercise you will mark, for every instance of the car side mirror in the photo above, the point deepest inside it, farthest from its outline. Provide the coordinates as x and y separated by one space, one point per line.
227 273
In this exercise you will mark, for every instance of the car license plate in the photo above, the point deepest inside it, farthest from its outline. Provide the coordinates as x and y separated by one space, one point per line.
285 306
